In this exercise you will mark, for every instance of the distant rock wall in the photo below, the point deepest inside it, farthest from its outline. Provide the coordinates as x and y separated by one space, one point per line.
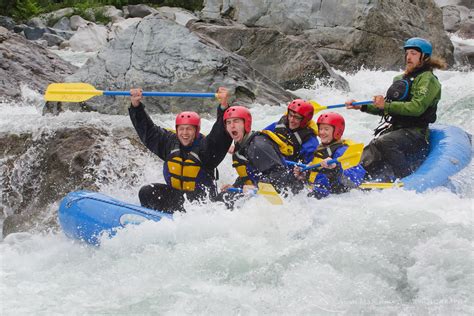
348 33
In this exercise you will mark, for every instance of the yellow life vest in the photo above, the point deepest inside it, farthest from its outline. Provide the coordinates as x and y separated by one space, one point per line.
239 162
285 148
183 171
323 152
289 142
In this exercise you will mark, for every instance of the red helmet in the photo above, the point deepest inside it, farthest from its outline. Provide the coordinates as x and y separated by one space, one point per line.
336 120
191 118
240 112
303 108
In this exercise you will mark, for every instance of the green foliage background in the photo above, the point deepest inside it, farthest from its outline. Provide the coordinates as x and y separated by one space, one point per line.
22 10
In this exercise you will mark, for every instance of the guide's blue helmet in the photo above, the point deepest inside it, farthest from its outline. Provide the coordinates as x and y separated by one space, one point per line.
420 44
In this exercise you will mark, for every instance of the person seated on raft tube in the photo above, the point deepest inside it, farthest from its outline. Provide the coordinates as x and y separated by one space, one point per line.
256 157
331 178
296 140
190 158
408 108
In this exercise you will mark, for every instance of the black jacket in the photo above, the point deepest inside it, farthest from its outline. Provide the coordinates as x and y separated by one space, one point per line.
211 148
264 163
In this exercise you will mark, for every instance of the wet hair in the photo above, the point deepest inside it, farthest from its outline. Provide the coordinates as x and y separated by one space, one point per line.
431 63
435 62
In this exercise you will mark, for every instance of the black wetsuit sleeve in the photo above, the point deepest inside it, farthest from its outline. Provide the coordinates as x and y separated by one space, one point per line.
155 138
267 161
215 145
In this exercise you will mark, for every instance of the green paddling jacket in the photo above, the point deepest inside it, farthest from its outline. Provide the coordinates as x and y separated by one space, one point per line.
419 107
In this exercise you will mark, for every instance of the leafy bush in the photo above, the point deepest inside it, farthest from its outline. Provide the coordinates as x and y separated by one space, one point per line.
22 10
25 9
101 17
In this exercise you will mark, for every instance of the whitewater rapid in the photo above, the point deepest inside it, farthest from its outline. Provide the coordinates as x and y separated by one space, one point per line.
392 251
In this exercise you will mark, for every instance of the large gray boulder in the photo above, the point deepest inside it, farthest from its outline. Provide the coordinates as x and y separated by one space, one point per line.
290 61
27 63
158 54
348 33
77 21
466 30
55 15
89 38
139 11
179 15
57 163
7 22
454 16
63 24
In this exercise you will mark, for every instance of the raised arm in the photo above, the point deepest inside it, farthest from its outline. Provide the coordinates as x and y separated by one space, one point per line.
217 142
155 138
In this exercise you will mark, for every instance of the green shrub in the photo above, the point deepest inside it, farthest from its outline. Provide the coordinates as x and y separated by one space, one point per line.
100 17
25 9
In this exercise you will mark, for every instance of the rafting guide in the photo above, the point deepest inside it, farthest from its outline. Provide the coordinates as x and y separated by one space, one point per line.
407 109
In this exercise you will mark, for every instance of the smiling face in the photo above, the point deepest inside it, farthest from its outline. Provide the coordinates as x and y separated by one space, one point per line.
412 60
326 132
236 128
186 134
294 120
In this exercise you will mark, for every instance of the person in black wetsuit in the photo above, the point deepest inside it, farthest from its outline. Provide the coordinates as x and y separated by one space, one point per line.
256 157
190 158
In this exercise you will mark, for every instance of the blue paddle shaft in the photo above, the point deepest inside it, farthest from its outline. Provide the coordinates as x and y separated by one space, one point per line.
240 190
298 164
234 190
164 94
343 105
309 167
319 164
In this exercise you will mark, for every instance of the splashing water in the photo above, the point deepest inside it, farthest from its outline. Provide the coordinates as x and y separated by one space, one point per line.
384 252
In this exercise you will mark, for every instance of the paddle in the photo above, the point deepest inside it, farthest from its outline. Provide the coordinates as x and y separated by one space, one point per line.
266 190
79 92
350 158
318 107
381 185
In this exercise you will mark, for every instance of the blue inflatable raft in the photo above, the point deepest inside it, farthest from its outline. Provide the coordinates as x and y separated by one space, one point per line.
87 215
450 151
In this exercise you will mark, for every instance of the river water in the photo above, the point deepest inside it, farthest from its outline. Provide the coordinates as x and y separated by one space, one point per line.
383 252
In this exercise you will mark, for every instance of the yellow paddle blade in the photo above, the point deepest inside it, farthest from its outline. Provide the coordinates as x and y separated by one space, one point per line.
314 127
269 192
351 156
381 185
317 107
70 92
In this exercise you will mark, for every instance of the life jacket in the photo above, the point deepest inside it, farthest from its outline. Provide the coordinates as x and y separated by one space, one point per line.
400 90
184 169
289 142
323 152
241 163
